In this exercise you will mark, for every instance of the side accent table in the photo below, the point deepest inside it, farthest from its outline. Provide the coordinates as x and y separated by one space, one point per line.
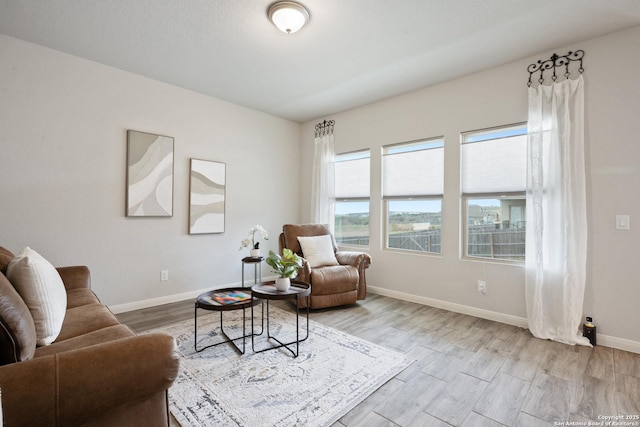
257 268
207 301
267 291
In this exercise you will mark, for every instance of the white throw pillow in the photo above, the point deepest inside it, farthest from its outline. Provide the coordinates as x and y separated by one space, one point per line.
318 250
42 290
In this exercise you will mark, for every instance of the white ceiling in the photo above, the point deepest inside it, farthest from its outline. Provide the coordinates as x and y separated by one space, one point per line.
353 52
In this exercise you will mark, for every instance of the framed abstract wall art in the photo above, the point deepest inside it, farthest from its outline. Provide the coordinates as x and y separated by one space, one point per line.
207 186
149 175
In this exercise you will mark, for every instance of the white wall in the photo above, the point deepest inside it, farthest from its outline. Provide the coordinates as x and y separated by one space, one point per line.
498 97
63 123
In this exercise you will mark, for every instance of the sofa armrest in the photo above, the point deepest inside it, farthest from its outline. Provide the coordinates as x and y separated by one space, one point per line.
76 277
359 260
69 388
304 272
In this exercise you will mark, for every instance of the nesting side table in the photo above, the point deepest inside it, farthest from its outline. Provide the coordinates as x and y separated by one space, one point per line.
267 291
207 301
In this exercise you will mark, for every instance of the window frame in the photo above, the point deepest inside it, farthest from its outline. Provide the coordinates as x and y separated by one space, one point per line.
386 223
497 195
465 225
429 143
351 156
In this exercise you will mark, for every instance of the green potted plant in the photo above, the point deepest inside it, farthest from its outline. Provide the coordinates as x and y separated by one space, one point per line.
285 266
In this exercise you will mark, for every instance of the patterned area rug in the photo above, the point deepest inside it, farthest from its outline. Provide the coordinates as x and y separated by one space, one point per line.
219 387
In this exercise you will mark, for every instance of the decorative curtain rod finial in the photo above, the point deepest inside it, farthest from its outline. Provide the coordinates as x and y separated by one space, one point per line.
554 62
324 128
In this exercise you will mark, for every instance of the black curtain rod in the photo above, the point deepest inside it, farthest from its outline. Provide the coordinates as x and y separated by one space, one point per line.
325 128
554 62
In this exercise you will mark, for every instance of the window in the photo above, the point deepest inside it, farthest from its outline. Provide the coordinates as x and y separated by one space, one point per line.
494 167
351 207
412 187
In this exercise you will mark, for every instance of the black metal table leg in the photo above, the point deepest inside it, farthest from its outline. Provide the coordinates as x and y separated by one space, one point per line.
259 292
203 302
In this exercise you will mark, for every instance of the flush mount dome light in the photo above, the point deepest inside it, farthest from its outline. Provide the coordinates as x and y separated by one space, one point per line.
288 16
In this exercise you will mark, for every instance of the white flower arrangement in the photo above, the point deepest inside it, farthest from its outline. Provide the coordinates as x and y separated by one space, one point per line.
251 237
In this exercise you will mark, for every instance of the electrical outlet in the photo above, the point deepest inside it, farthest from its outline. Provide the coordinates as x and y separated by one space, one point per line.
482 287
622 222
164 275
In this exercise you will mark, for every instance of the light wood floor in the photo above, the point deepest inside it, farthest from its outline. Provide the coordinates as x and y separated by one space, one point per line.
468 371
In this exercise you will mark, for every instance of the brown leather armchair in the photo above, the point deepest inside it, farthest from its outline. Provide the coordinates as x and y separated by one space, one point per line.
331 285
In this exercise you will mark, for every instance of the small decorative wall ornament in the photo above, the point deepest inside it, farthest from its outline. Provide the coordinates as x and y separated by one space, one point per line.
207 188
149 175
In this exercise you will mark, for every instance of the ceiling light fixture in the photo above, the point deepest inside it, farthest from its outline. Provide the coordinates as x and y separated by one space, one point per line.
288 16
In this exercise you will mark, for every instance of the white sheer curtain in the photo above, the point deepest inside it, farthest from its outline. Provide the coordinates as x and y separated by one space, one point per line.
556 242
322 178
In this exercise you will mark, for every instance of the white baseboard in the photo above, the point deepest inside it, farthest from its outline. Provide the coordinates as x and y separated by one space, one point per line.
168 299
619 343
450 306
603 340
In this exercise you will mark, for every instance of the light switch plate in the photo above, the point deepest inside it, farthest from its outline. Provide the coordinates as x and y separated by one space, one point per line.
622 222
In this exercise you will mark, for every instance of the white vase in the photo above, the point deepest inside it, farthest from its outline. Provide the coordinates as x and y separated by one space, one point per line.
283 283
254 253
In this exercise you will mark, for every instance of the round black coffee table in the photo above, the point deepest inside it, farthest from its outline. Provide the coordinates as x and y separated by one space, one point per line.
222 300
267 291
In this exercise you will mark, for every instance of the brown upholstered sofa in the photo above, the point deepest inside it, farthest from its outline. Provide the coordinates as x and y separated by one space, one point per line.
97 372
331 285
